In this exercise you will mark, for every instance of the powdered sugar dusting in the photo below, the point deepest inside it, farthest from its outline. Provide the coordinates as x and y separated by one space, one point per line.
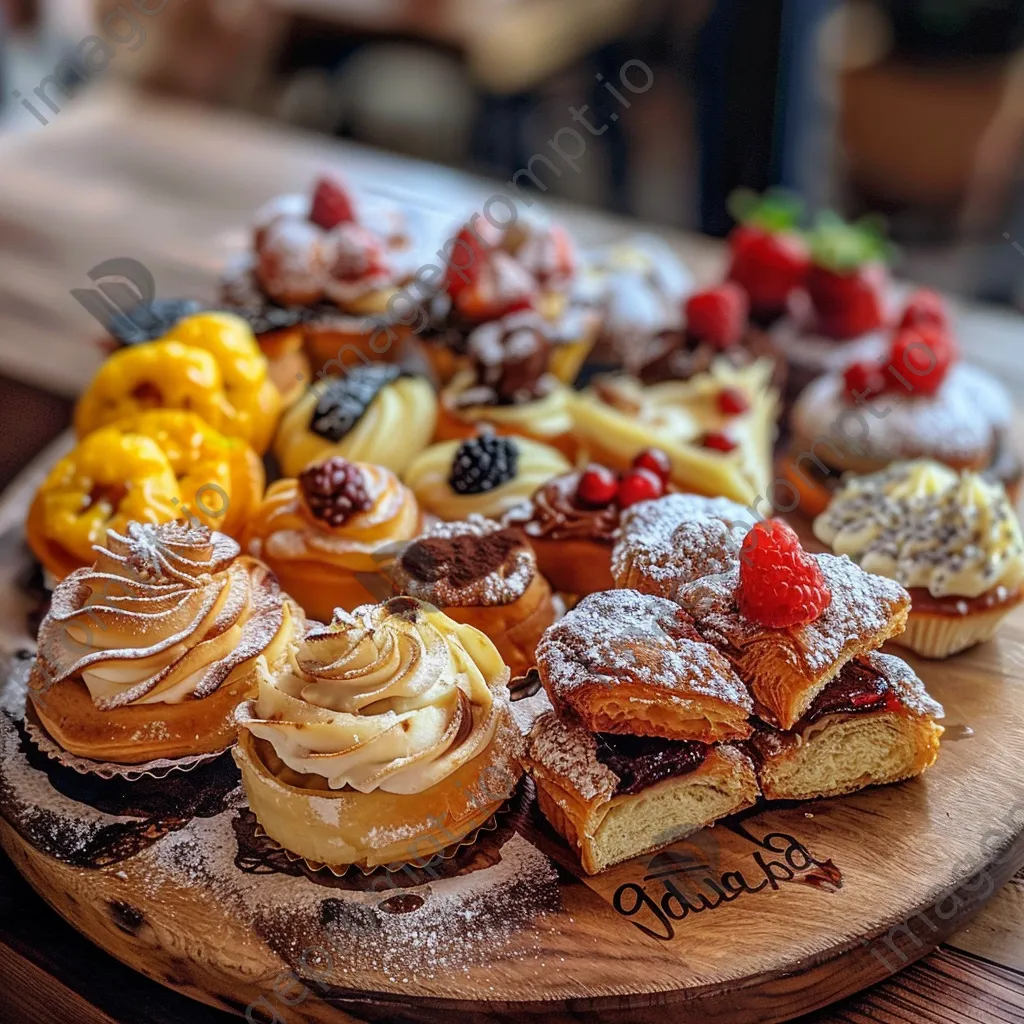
569 753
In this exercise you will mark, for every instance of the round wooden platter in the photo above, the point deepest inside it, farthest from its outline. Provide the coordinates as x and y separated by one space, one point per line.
170 877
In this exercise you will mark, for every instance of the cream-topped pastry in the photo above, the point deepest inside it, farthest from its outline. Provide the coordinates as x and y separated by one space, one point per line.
157 643
387 738
486 475
953 539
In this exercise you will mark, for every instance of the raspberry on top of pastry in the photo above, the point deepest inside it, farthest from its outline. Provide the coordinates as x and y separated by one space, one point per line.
953 539
788 620
372 413
483 574
147 653
387 739
320 533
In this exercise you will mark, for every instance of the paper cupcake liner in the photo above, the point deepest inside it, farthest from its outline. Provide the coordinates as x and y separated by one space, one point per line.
158 768
939 636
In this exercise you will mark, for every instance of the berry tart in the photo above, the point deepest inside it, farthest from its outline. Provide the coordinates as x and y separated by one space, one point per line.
801 631
486 475
483 574
573 520
373 413
665 543
917 401
641 748
146 653
951 538
319 532
510 386
386 740
716 428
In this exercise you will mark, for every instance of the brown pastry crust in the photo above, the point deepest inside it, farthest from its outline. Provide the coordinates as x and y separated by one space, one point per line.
626 662
575 566
787 668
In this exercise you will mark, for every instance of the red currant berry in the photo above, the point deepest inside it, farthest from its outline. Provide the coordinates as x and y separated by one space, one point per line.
719 442
597 487
864 378
656 461
732 402
639 485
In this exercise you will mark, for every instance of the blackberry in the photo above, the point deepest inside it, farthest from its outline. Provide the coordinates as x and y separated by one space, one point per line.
344 400
334 490
483 463
151 320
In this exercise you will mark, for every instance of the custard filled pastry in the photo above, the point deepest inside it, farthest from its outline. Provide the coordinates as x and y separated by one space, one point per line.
873 724
386 740
373 413
152 467
208 364
147 653
482 574
319 533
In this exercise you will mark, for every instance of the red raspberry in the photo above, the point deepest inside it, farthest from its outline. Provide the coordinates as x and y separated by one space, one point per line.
718 441
780 585
718 316
925 307
861 378
331 205
335 490
732 402
597 487
466 260
921 356
639 485
655 461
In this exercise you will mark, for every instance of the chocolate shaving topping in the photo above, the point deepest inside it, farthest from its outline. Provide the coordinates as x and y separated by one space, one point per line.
344 400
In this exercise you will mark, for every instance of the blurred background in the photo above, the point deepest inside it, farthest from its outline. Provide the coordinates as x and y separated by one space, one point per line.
914 108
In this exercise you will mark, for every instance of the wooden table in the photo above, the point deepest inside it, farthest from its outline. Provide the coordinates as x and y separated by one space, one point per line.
117 176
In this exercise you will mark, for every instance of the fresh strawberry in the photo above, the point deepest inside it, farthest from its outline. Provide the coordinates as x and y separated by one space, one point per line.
864 378
466 261
331 205
654 460
925 307
639 485
780 585
597 487
921 357
718 316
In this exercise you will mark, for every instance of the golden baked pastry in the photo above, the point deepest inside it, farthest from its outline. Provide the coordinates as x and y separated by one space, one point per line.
626 662
717 428
146 654
953 539
486 475
678 538
872 724
482 574
152 467
387 739
319 533
614 797
373 413
209 364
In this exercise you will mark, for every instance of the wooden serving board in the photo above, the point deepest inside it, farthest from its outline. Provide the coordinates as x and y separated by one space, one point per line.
760 919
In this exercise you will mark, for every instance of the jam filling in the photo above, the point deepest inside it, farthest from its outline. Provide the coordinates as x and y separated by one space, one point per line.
956 607
858 689
641 761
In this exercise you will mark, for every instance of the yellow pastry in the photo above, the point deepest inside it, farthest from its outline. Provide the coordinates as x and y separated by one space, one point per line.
486 475
387 739
371 414
209 364
319 533
151 468
147 653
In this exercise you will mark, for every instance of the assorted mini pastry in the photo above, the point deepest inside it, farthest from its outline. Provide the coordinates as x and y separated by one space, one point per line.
485 575
147 653
151 467
952 538
509 386
572 521
373 413
919 401
640 750
386 739
486 475
320 533
208 364
716 428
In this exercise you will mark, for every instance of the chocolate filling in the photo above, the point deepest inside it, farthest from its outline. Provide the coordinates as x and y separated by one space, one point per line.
641 761
858 689
462 560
